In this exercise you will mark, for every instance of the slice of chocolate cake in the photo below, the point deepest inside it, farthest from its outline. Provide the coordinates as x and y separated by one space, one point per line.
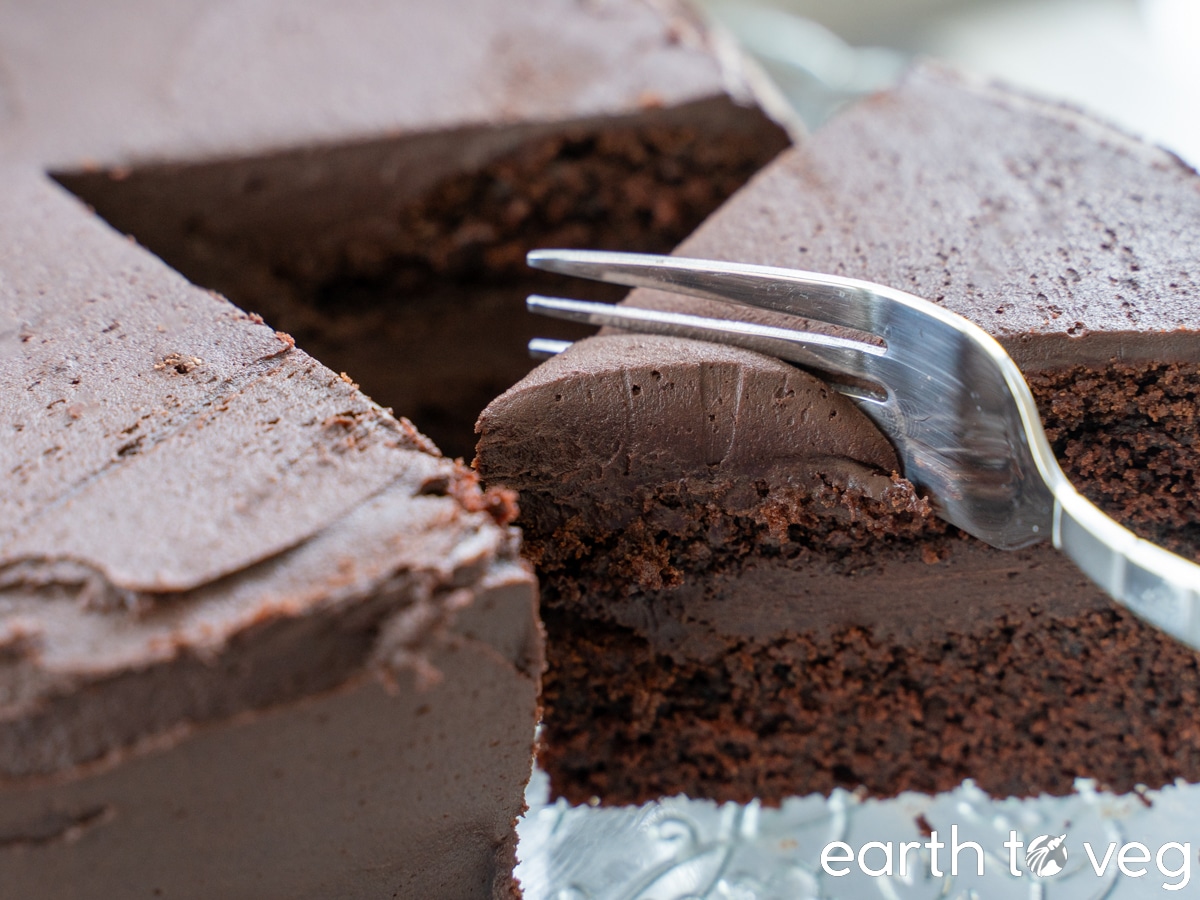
744 599
257 637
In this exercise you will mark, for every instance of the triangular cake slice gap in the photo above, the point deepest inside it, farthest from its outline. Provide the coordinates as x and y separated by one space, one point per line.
741 601
383 221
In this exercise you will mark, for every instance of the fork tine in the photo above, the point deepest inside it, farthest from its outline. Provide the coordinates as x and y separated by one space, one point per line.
544 348
831 354
826 298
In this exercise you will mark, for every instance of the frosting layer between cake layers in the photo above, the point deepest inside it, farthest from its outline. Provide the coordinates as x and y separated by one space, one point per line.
743 598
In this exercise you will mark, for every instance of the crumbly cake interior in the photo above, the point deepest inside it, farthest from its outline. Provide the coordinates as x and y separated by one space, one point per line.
1126 435
1025 699
417 292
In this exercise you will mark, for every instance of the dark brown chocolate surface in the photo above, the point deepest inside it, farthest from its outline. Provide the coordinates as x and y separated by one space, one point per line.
1028 704
1067 240
137 82
783 615
247 617
308 798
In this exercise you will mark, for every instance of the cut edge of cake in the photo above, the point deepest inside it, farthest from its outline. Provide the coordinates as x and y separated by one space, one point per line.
757 616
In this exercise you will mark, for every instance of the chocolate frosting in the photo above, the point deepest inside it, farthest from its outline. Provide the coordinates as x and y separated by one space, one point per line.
183 484
1068 240
641 409
132 82
125 388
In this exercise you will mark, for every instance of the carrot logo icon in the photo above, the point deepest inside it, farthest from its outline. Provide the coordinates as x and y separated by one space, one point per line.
1046 855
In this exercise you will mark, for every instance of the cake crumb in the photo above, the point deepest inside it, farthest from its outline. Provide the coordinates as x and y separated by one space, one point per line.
289 343
18 640
414 439
499 503
180 363
932 555
352 428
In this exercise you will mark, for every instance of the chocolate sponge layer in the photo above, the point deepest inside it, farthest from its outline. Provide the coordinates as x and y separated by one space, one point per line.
866 644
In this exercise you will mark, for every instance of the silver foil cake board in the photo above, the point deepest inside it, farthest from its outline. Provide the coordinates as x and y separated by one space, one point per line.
681 849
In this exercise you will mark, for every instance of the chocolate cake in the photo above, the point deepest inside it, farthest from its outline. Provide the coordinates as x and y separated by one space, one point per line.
257 636
387 218
744 598
210 548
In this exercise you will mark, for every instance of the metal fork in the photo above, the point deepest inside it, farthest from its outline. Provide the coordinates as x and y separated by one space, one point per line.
952 401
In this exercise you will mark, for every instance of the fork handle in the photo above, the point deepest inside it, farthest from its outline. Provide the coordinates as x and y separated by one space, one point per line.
1153 583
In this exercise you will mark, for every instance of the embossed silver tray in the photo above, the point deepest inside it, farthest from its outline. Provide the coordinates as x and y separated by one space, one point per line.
680 849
